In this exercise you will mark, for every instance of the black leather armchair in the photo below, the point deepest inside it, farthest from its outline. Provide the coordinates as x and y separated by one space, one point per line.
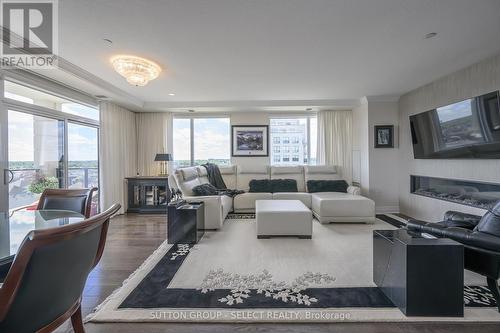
480 237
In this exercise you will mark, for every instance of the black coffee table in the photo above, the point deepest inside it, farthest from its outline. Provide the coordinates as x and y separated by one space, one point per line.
422 276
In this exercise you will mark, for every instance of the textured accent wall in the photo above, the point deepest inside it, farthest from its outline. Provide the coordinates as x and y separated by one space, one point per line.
475 80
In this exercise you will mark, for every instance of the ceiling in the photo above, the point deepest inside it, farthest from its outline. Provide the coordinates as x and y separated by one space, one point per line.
244 55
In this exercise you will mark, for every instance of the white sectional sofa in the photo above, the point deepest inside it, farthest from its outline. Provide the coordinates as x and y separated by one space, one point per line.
326 206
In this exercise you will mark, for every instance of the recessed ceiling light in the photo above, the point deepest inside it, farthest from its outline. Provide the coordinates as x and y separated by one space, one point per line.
430 35
190 110
309 109
171 94
107 40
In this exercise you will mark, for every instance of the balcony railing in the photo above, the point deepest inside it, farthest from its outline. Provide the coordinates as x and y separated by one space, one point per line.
19 187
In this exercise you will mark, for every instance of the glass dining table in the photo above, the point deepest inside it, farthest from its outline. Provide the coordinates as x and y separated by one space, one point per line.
15 226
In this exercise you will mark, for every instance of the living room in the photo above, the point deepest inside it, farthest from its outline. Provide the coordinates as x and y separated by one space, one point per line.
260 166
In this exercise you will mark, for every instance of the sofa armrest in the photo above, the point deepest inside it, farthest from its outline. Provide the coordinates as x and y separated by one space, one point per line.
213 210
461 220
473 238
354 190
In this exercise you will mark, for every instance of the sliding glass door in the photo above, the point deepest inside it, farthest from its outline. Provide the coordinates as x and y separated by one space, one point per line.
46 141
83 158
35 157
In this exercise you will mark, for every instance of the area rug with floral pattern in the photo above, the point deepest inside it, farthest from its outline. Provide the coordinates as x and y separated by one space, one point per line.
231 276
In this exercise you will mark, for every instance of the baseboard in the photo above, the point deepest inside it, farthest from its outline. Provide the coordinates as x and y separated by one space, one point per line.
386 209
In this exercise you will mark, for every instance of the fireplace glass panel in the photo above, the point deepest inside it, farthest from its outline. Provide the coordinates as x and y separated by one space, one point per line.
476 194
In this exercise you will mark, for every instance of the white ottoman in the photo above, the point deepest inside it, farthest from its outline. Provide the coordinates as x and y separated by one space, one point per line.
283 218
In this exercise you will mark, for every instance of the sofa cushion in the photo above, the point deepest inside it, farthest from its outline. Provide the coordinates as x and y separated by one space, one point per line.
228 174
304 197
188 173
290 172
320 172
342 205
205 189
314 186
187 179
247 173
203 174
260 186
245 202
283 185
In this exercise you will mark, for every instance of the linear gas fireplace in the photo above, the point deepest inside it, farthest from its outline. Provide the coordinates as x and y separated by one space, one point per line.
476 194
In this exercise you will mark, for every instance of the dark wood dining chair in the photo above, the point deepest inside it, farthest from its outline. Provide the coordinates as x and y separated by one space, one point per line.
44 285
76 200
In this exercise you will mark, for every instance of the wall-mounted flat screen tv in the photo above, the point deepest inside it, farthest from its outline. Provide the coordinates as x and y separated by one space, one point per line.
463 130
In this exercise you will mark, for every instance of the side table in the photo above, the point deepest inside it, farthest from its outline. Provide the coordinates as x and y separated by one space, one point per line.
186 222
421 276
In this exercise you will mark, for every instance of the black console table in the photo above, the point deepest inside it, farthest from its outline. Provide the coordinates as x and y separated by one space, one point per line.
147 194
186 222
421 276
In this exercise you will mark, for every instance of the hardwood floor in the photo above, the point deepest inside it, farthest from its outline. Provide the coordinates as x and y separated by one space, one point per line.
132 238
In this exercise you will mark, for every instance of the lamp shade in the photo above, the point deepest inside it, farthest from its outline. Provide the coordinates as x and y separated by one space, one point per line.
163 157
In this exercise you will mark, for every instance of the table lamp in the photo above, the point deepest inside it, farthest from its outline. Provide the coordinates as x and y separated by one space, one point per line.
163 158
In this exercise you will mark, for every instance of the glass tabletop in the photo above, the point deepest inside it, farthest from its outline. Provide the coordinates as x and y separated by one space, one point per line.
15 227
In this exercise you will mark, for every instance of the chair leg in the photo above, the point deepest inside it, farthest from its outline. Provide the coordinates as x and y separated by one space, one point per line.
495 290
77 322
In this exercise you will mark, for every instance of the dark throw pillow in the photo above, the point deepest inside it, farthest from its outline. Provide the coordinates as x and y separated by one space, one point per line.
204 189
260 186
327 186
284 185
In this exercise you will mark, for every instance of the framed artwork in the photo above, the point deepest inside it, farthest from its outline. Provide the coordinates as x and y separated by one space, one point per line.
249 140
384 136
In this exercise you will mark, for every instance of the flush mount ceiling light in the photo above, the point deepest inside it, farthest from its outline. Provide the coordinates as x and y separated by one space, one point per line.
430 35
138 71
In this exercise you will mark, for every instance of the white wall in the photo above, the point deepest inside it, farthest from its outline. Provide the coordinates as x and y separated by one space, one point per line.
483 77
360 145
378 168
384 163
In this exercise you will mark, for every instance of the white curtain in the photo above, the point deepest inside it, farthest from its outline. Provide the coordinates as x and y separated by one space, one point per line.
335 141
118 153
152 138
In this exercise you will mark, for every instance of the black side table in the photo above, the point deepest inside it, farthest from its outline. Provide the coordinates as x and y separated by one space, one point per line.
421 276
186 222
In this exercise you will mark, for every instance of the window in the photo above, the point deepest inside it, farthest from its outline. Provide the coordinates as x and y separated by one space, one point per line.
297 136
276 140
52 143
28 95
200 140
276 158
182 142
